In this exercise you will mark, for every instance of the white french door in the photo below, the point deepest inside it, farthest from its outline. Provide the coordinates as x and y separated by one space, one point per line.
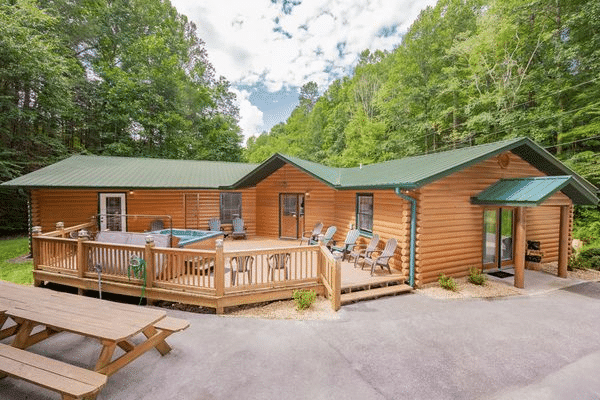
112 212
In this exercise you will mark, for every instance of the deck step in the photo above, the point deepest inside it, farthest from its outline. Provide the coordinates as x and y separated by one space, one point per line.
369 294
373 284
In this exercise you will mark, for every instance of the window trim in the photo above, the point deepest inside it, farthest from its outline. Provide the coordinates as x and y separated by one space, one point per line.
364 232
221 195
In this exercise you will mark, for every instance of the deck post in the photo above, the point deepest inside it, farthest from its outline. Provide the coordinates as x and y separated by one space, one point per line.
337 285
60 227
149 258
320 264
520 241
35 251
82 237
563 244
219 274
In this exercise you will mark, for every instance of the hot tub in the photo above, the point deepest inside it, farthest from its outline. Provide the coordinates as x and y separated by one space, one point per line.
191 238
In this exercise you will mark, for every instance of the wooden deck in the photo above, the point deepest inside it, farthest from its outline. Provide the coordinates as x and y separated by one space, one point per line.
235 272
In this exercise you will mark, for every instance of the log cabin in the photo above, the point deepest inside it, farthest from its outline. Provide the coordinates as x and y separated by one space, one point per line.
450 211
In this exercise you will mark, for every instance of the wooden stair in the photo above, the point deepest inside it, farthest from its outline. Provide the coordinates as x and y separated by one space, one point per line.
373 290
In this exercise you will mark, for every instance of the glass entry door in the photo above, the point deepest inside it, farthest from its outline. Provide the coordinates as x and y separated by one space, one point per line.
291 215
497 237
112 212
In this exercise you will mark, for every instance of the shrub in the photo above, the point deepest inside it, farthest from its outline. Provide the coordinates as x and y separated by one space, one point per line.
476 277
586 259
446 282
304 298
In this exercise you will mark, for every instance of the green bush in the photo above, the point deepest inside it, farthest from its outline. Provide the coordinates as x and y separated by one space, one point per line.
476 277
586 259
447 283
304 298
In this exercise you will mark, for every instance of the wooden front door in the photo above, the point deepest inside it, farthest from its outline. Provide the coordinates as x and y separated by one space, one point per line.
113 212
291 215
498 236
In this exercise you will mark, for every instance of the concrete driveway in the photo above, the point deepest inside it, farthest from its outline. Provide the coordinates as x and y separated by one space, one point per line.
543 346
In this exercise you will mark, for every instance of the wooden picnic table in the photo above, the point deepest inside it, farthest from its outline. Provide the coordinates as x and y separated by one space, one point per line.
112 324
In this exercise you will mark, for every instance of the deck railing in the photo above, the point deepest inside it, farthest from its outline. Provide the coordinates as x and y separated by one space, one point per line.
213 278
331 277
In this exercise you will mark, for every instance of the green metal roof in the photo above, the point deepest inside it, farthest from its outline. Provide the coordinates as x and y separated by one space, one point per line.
407 173
131 173
522 191
413 172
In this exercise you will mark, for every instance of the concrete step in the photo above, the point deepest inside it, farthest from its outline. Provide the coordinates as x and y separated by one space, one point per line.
369 294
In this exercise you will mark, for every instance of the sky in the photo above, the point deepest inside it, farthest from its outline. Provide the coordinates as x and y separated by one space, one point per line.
268 49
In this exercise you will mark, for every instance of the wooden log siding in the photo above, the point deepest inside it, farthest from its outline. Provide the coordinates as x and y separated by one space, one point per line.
450 228
318 206
77 206
391 219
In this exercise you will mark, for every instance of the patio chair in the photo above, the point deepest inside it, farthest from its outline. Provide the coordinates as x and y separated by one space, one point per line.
241 264
383 260
326 240
239 230
214 224
277 262
312 237
361 252
349 243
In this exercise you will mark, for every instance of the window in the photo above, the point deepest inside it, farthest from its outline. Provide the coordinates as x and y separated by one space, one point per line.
231 207
364 212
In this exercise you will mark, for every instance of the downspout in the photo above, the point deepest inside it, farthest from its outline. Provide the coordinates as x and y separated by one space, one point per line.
413 233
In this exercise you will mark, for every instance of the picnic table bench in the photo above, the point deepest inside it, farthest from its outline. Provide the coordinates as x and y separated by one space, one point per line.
112 324
70 381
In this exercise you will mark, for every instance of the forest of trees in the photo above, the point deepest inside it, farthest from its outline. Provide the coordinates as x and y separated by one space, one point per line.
108 77
467 72
132 78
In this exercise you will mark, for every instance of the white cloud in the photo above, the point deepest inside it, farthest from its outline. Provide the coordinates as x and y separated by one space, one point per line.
251 118
245 47
248 41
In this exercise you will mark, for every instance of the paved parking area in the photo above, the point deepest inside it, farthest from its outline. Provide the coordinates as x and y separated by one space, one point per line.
543 346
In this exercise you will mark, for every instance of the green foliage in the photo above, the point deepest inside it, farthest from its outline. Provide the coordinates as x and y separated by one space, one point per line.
447 282
476 277
128 78
586 226
466 72
586 259
15 272
304 298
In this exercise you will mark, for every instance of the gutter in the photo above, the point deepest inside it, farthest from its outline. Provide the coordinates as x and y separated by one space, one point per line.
413 233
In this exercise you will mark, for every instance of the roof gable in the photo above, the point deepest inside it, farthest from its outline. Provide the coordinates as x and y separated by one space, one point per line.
414 172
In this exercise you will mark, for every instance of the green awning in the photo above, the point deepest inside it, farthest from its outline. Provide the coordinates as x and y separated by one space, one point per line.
523 192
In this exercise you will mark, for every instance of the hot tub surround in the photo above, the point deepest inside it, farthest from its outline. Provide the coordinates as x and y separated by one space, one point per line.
191 238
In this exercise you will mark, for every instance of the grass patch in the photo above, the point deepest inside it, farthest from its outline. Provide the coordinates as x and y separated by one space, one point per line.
15 272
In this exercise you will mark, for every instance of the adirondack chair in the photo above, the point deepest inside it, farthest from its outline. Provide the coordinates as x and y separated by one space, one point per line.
326 240
214 224
279 261
349 243
312 237
239 230
362 252
383 260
